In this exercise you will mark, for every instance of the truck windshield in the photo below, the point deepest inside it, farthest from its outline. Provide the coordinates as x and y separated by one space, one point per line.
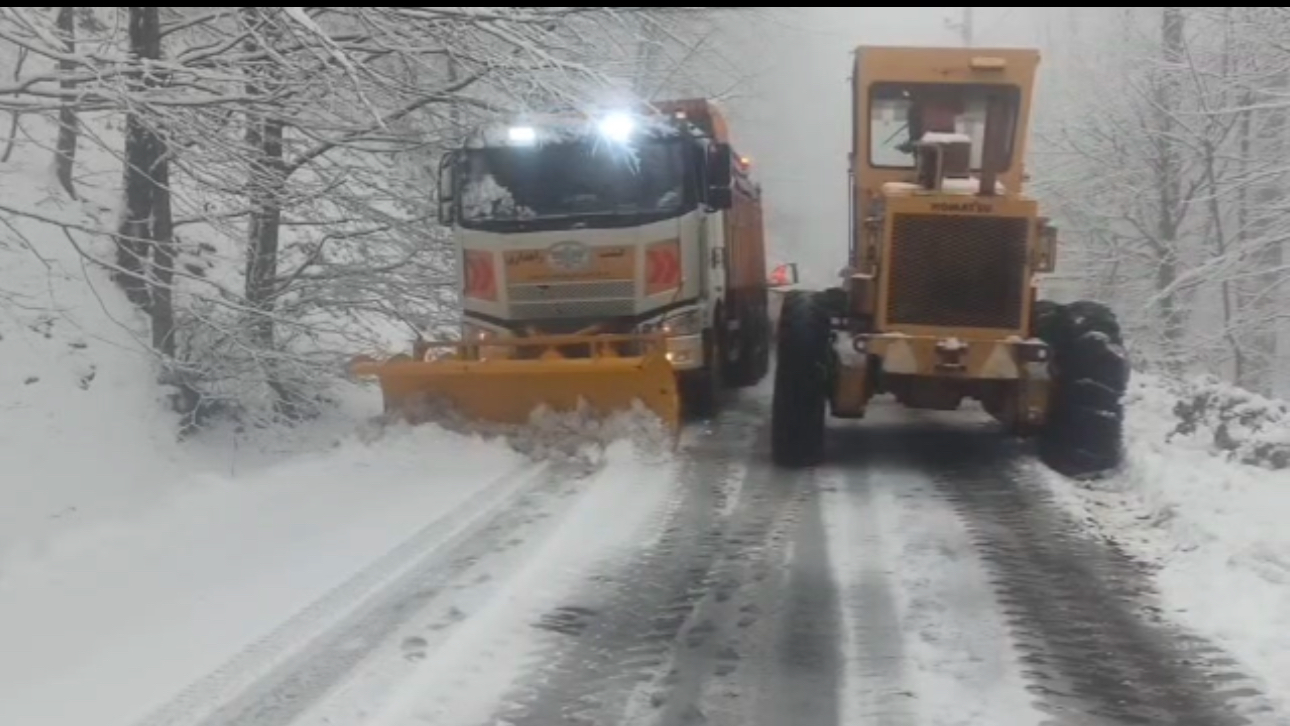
585 177
900 113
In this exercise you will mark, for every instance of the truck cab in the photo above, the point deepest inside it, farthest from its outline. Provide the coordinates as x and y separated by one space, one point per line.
626 222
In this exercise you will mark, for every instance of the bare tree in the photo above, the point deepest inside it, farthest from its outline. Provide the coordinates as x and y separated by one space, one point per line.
1176 176
65 155
276 162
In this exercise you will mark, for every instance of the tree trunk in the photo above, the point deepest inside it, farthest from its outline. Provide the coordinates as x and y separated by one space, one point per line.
135 235
267 180
1264 293
266 184
68 122
1169 184
15 117
163 254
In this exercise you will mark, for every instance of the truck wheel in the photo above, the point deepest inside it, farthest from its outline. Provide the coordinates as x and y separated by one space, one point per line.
701 390
801 381
764 343
1084 436
754 350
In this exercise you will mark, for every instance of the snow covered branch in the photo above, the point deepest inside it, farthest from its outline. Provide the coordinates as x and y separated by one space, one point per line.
277 211
1164 148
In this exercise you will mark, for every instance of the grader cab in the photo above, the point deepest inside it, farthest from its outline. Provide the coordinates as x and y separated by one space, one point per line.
938 301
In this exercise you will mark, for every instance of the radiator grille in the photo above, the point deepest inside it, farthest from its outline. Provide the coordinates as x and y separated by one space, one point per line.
957 271
572 309
572 291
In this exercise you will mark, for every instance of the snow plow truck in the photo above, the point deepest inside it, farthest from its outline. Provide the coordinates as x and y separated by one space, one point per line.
938 302
602 260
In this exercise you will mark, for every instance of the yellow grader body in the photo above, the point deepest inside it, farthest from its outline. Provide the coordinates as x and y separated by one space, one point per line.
491 383
937 303
948 315
940 289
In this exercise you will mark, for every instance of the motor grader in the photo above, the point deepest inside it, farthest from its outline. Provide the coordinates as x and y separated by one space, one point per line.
938 303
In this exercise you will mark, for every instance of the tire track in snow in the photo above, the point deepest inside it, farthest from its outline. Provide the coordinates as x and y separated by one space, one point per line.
875 689
274 679
672 636
729 618
483 665
617 630
926 641
794 663
759 648
1080 610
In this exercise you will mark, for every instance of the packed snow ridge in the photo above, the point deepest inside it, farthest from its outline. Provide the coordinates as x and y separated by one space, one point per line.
1203 498
579 436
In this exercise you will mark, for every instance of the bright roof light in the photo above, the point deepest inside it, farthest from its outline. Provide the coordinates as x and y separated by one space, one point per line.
522 134
617 126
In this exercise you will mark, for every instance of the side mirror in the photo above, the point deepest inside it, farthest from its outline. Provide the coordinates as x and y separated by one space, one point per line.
783 275
1046 249
720 195
447 167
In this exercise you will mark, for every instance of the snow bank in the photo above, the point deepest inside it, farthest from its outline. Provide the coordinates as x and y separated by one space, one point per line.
173 592
84 432
481 661
1197 499
579 436
131 563
1232 422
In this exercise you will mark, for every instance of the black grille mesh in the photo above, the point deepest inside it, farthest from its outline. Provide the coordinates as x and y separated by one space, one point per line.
957 271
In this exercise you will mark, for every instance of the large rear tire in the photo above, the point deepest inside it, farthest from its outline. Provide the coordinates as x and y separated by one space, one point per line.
1084 436
798 410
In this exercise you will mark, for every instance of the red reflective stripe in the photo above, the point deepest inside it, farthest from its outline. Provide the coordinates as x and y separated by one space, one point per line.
662 268
481 282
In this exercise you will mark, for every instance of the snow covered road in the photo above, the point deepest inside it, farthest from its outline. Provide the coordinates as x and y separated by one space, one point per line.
922 577
1010 612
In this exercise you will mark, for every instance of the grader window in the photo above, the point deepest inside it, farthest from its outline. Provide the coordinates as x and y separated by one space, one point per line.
902 113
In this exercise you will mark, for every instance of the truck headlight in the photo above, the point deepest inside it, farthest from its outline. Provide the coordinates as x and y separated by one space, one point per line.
689 322
475 334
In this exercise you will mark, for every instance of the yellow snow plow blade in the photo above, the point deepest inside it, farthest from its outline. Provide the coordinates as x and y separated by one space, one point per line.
502 387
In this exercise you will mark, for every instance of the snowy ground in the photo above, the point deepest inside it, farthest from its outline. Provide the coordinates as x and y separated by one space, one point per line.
157 579
909 562
170 593
327 575
134 567
1214 529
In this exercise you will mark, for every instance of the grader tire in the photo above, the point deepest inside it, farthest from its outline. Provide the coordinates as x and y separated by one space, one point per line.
1046 319
1084 437
798 407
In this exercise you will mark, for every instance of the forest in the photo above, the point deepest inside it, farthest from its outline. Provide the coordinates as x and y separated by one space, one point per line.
260 181
1161 146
